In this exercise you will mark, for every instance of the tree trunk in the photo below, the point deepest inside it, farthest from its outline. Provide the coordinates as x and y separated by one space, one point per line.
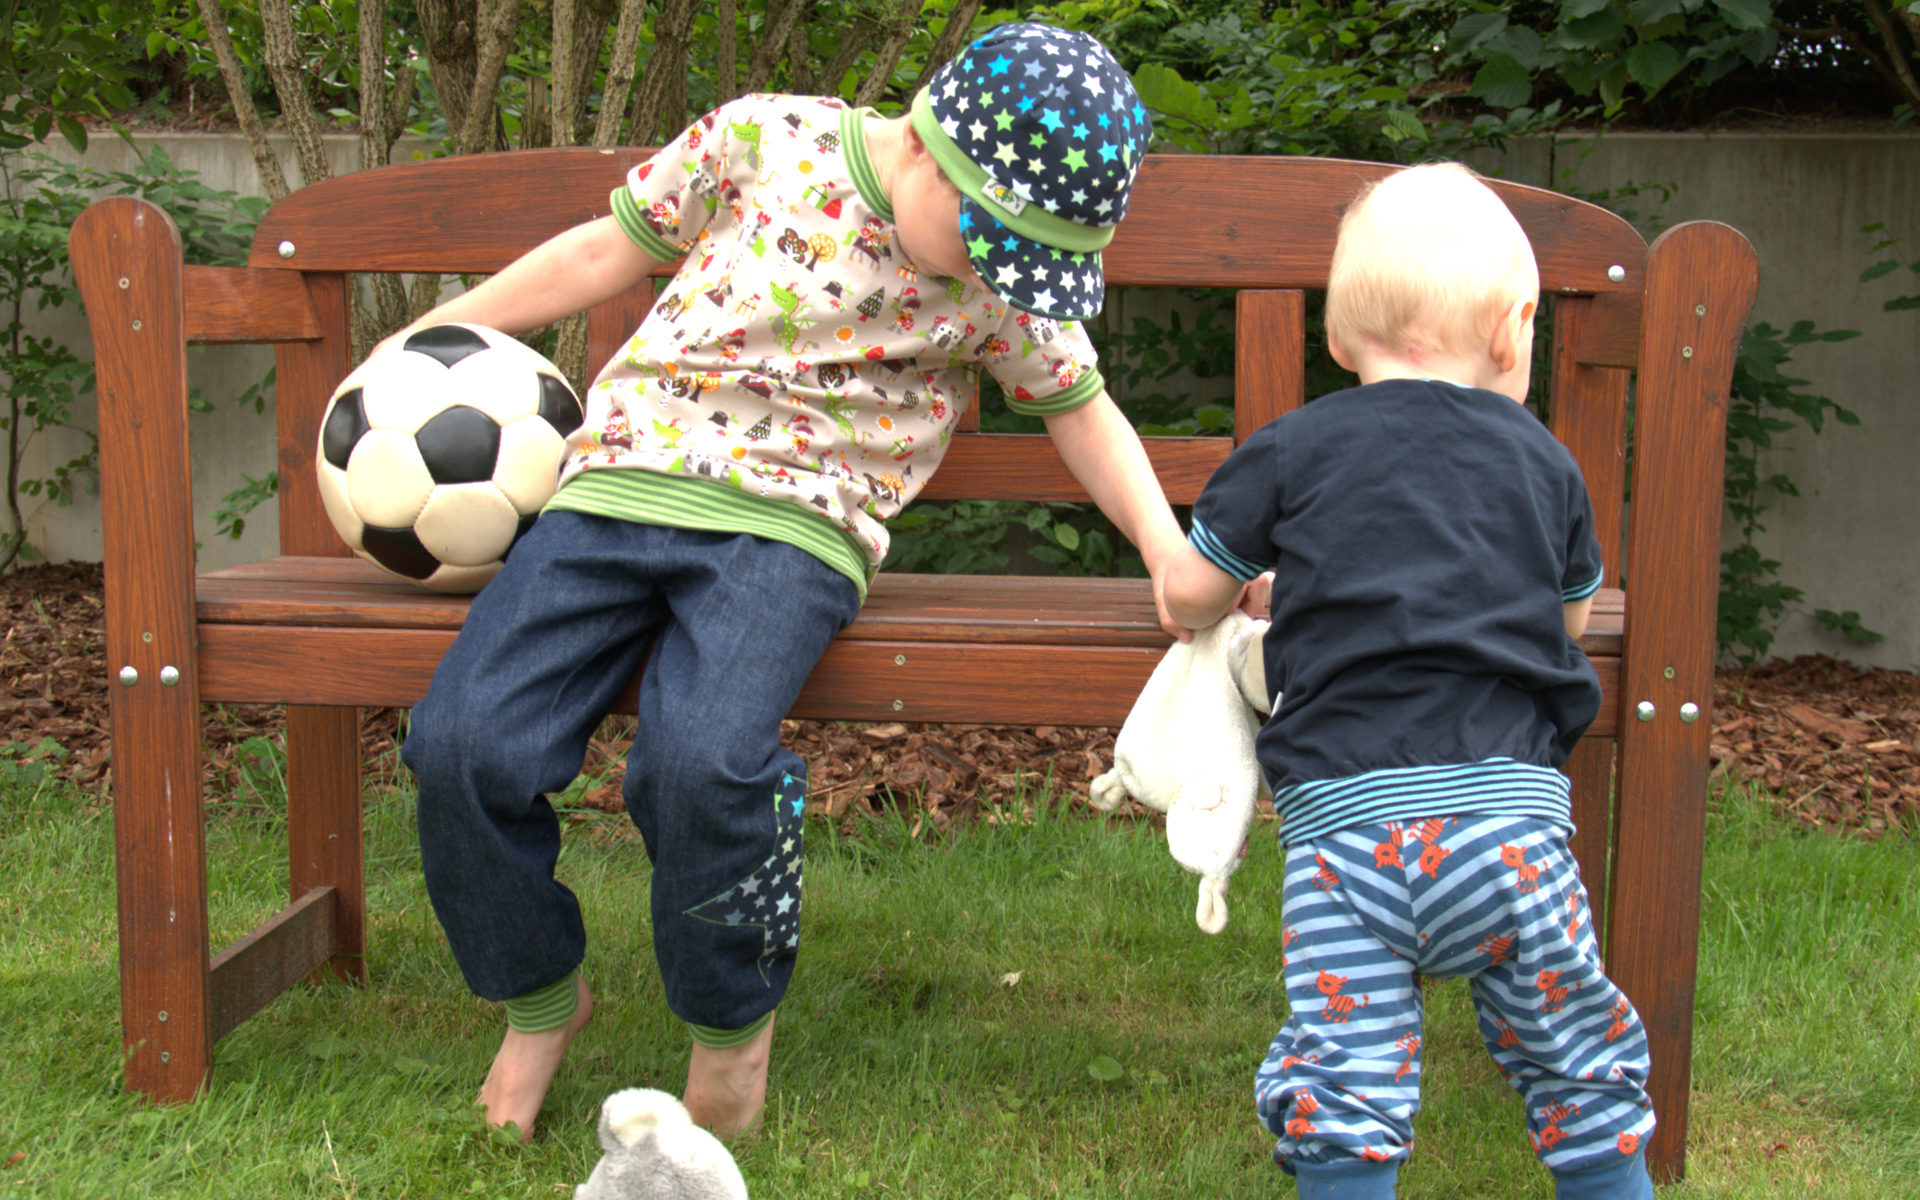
959 26
291 88
619 85
448 39
478 128
214 17
660 101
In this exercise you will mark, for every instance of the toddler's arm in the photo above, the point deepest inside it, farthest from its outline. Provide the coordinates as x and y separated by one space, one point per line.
1577 612
568 273
1104 453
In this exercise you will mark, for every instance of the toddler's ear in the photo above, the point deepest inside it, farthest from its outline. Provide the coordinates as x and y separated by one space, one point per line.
1513 330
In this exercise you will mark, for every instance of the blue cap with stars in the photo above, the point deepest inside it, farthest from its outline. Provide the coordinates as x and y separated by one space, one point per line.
1042 132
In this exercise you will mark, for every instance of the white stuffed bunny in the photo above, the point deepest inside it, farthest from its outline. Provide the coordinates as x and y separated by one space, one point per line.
1187 750
654 1151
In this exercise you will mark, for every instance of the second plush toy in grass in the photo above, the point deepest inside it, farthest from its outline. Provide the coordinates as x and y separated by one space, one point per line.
654 1151
1187 750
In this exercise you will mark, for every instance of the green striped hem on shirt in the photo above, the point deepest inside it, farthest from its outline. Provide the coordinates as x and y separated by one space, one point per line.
545 1008
633 223
684 502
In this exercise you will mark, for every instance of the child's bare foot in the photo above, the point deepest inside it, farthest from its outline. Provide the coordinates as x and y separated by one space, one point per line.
517 1083
726 1089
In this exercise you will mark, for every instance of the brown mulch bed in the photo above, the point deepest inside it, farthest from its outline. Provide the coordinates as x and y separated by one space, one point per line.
1835 743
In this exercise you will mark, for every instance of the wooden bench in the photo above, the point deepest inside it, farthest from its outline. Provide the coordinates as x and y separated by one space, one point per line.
324 635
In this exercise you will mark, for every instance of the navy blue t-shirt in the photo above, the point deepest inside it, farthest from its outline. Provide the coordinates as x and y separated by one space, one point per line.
1424 538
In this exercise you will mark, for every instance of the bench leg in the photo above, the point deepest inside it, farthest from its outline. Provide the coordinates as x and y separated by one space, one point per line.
323 825
160 867
1591 770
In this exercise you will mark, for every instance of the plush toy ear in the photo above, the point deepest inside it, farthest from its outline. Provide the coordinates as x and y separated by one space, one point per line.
631 1114
1211 912
1246 658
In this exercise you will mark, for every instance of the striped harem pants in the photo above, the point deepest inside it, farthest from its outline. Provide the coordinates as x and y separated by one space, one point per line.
1497 900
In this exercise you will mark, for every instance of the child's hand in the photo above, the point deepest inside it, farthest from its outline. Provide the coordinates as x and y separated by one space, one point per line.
1256 599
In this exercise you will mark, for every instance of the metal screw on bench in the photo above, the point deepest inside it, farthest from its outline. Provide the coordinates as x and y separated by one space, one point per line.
129 676
169 676
286 249
898 705
1689 712
1686 352
1644 710
1617 273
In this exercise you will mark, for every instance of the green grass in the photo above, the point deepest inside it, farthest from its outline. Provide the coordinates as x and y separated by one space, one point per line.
910 1062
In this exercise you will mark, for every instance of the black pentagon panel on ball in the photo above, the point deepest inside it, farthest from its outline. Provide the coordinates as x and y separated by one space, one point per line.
559 405
346 421
399 551
459 445
446 343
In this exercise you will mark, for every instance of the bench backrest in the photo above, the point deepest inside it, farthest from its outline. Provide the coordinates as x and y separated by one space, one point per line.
1261 226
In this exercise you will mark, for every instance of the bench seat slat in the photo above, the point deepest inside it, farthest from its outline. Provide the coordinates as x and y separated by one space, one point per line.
336 631
856 680
346 593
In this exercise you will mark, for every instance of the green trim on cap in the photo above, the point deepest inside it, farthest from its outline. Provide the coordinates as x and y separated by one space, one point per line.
1032 221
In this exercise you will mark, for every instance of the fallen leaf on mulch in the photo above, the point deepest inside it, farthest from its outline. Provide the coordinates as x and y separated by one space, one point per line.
1836 743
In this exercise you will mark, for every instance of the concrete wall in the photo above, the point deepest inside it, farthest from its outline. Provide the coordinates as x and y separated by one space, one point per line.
227 443
1850 540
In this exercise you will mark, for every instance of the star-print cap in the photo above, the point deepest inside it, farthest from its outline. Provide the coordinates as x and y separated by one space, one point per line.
1042 132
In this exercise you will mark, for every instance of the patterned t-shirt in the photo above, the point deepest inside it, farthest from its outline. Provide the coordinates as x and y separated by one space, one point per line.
797 369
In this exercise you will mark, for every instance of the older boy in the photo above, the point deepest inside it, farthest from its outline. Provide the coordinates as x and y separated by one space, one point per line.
723 508
1433 561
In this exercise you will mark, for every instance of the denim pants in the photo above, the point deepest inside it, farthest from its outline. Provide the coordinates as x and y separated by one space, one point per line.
729 626
1497 900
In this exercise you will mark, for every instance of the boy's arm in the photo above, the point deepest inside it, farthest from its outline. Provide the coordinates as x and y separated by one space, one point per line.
568 273
1104 453
1199 593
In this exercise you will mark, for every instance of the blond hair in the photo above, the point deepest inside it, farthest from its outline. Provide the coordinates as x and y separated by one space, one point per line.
1427 258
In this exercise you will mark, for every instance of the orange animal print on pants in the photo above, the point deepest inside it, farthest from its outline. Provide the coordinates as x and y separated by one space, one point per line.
1324 878
1387 854
1556 993
1619 1014
1304 1106
1339 1007
1573 915
1409 1044
1497 948
1516 857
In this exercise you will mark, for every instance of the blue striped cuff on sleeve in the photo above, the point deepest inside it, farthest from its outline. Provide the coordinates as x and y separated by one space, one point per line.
1211 549
1582 591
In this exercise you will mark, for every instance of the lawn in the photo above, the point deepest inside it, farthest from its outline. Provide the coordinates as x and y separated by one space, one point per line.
1022 1008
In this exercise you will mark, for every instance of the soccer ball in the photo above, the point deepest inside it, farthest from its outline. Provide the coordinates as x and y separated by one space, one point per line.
436 454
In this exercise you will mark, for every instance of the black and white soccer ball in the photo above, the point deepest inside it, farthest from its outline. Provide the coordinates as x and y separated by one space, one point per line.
437 453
